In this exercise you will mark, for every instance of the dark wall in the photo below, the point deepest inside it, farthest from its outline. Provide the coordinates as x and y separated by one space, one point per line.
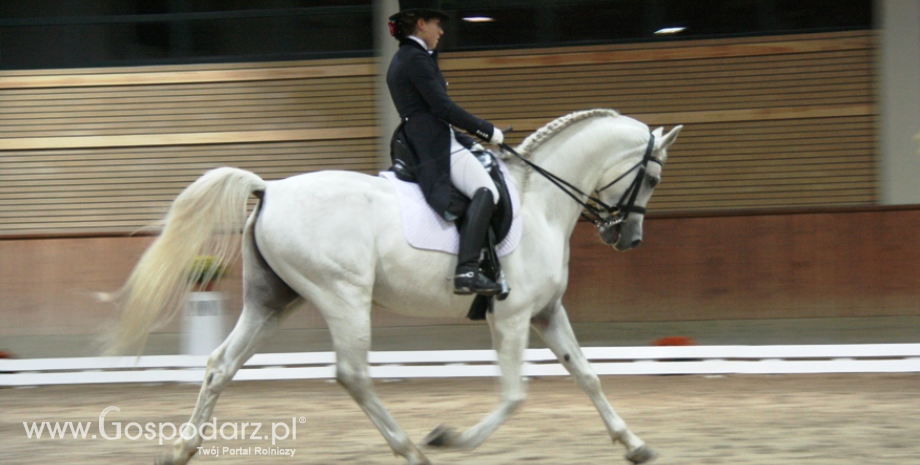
818 264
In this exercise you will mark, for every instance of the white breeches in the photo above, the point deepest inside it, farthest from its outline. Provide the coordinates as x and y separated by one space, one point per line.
466 173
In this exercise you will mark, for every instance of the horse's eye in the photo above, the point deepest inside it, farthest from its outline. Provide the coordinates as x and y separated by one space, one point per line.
653 181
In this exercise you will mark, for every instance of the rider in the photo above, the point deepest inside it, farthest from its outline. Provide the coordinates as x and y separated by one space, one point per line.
419 91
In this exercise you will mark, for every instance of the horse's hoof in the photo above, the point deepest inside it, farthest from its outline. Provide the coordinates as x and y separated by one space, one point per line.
642 454
442 436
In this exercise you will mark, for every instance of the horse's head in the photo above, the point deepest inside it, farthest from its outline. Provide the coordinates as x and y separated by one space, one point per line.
628 189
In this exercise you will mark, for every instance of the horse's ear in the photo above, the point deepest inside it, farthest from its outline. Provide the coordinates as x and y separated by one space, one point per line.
658 132
669 138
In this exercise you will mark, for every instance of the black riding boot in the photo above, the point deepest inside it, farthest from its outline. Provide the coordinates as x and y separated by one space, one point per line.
473 230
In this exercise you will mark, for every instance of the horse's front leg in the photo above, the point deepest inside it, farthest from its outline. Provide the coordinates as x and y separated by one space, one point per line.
351 336
554 327
509 338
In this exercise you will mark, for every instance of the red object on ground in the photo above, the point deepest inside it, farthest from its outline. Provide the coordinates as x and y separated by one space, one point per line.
674 341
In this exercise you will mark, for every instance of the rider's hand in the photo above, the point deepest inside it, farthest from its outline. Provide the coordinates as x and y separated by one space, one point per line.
477 147
497 137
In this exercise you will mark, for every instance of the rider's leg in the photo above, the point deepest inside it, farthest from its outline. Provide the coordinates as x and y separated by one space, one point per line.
554 327
467 174
474 227
470 178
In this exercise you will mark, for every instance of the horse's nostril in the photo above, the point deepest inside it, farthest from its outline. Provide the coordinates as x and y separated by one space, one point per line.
636 242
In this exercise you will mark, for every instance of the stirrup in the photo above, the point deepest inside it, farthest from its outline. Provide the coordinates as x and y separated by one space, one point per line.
474 282
503 283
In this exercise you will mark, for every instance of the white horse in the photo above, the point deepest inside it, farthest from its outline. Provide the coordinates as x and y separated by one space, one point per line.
334 240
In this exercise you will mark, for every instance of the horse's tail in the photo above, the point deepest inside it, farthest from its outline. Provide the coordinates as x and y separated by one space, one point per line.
206 217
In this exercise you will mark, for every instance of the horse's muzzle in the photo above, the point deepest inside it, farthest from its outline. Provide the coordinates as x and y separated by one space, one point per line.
623 236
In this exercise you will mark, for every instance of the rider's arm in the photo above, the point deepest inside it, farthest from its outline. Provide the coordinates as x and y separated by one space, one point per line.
425 77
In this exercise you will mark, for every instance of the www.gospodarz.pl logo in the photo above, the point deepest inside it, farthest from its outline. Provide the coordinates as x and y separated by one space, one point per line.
166 431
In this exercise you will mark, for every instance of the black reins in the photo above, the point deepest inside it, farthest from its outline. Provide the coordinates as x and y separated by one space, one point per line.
605 216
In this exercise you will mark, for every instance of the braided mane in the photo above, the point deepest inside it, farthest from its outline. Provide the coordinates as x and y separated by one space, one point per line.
548 131
545 133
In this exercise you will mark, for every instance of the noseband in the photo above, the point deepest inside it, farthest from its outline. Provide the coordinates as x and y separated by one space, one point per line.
595 210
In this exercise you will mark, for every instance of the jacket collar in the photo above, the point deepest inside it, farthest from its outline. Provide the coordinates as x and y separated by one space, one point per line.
419 41
412 43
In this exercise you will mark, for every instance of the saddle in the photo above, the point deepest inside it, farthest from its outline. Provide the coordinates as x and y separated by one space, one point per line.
401 153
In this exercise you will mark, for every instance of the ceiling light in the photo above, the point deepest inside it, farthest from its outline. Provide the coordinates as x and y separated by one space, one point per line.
479 19
670 30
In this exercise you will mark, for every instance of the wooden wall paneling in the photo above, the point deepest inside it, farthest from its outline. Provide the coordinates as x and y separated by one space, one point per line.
217 107
769 122
675 82
128 188
818 161
203 73
747 104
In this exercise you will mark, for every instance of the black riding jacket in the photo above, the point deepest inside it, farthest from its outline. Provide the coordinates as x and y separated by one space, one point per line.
419 91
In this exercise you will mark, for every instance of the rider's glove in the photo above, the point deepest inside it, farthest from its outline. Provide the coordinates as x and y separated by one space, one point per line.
497 137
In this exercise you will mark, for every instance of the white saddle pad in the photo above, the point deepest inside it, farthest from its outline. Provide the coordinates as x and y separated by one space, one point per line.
428 231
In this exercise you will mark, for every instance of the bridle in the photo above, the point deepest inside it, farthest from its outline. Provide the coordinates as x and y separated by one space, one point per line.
595 210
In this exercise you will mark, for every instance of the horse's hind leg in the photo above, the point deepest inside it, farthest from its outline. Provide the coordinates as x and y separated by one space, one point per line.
223 363
554 327
266 304
350 325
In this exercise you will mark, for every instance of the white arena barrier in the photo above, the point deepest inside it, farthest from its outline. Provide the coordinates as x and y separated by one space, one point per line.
677 360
